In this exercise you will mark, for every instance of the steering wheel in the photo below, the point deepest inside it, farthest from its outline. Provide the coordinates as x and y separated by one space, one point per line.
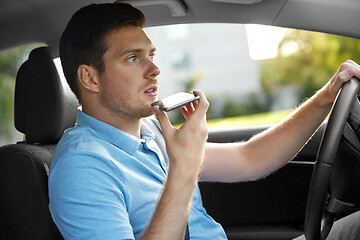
318 218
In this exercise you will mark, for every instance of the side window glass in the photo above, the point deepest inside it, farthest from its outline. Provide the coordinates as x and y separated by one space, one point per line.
251 74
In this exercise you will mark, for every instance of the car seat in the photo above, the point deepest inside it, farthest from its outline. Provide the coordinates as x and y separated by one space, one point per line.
44 108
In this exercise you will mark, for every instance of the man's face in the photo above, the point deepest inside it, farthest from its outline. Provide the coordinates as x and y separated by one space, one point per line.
129 83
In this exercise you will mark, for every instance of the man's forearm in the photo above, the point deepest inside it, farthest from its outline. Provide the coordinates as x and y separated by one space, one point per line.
267 151
276 146
171 215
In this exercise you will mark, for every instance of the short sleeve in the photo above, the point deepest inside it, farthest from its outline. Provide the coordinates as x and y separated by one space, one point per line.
87 199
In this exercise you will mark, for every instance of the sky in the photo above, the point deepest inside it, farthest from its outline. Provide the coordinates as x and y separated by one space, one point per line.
263 40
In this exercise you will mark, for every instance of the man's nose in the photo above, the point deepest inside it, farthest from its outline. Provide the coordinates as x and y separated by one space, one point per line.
154 70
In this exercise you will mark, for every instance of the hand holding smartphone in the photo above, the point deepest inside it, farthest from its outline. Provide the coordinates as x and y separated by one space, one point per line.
175 101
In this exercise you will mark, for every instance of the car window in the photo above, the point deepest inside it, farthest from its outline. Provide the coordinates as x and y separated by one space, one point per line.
251 74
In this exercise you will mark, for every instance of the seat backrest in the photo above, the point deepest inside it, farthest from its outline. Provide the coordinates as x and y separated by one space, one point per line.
44 108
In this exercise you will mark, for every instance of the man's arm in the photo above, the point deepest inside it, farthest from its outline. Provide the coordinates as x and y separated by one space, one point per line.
185 147
271 149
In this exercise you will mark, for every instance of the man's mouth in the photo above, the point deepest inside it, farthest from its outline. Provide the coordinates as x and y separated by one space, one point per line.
151 91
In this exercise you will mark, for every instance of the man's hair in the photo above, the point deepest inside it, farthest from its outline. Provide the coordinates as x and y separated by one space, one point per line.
83 40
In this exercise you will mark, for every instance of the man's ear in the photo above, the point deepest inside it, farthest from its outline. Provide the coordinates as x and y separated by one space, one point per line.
88 77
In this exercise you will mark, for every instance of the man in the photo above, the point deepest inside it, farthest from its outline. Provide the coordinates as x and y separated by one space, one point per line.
109 178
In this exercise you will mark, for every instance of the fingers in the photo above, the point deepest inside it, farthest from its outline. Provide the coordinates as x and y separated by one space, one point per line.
348 70
163 120
188 110
185 113
195 104
342 77
195 110
201 106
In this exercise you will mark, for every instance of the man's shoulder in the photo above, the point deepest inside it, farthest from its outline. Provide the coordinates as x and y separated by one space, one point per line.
78 143
76 138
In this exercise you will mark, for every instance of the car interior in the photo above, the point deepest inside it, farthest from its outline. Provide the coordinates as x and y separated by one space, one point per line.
274 207
45 107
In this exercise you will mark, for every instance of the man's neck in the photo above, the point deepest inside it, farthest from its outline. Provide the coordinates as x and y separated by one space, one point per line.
124 123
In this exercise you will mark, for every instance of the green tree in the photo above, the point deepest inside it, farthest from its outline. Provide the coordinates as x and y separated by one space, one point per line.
313 58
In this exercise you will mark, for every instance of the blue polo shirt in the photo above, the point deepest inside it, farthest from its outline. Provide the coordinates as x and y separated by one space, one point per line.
105 183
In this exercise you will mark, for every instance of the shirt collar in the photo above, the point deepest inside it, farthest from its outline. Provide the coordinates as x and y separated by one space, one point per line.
146 132
117 137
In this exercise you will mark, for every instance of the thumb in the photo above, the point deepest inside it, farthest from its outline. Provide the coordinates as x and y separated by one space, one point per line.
163 120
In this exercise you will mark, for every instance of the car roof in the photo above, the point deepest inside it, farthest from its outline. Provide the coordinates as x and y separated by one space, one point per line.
29 21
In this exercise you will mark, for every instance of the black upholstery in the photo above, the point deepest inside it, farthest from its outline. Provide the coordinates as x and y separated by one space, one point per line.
44 108
44 103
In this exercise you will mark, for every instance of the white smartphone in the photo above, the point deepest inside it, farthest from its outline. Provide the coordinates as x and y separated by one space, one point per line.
175 101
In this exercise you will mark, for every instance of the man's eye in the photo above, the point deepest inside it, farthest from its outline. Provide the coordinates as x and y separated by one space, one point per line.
152 57
132 59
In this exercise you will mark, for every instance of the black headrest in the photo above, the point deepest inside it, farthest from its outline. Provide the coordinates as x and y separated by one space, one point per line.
44 103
